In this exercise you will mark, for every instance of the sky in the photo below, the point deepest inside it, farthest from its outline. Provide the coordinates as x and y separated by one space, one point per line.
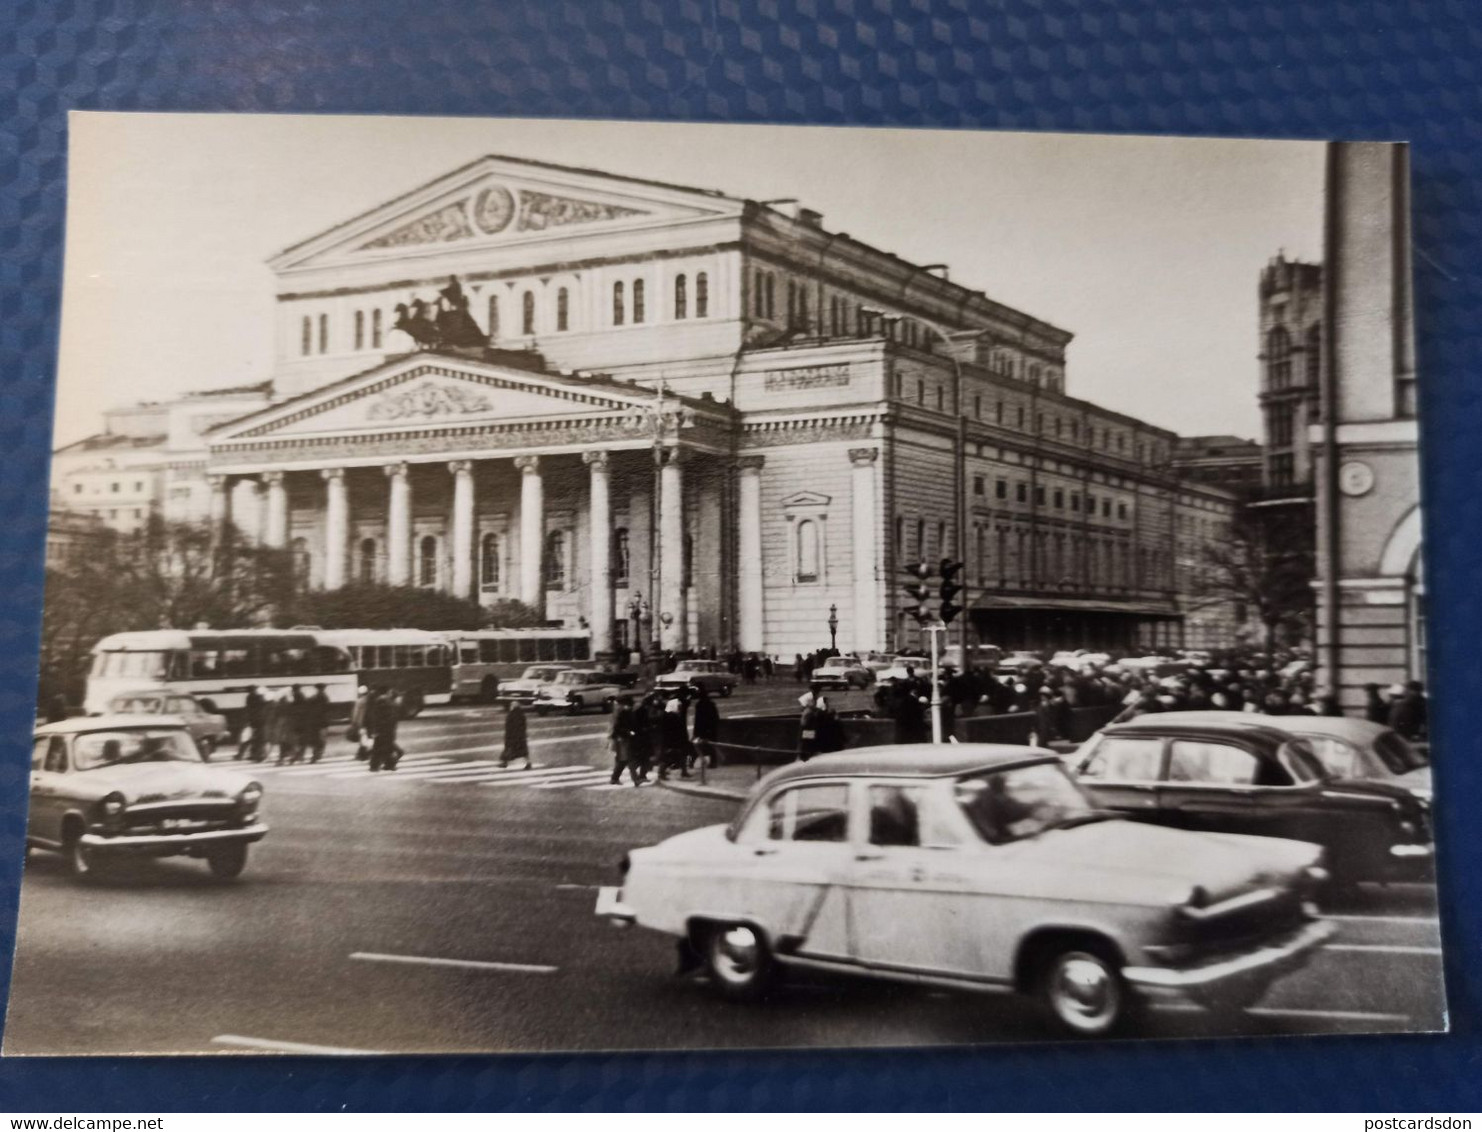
1147 249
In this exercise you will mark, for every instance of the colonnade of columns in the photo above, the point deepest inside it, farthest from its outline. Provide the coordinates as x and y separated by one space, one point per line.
671 620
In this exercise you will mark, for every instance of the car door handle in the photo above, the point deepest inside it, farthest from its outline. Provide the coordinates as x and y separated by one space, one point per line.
764 850
868 855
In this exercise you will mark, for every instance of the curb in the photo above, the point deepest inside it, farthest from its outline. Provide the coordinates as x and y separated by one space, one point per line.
714 792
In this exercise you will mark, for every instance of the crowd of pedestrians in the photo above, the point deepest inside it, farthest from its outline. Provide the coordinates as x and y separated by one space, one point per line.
667 731
284 724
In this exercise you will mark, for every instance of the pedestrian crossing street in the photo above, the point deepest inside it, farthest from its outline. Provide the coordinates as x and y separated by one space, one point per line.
441 770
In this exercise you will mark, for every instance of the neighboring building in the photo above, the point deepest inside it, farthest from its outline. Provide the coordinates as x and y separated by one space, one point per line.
1291 306
694 418
1371 610
1231 462
150 458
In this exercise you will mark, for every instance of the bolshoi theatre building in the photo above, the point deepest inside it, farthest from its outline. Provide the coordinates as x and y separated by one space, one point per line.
673 415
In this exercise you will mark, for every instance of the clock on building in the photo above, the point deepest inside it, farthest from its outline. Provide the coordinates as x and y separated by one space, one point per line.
1355 478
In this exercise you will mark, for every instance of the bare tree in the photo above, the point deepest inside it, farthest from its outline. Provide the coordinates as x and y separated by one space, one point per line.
1259 573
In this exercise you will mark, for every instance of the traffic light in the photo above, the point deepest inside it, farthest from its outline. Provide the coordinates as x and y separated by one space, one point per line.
948 590
918 591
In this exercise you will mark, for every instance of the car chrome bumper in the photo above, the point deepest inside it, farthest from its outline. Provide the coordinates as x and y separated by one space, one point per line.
144 842
610 906
1273 960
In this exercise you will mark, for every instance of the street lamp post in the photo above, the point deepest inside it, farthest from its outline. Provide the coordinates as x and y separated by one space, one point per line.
665 422
833 629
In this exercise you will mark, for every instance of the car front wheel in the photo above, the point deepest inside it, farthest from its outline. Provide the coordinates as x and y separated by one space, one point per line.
81 861
227 862
1083 992
738 961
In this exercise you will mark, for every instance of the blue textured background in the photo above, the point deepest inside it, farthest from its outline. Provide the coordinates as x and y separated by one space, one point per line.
1310 69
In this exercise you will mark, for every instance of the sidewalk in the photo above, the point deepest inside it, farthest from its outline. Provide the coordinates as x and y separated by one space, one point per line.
726 783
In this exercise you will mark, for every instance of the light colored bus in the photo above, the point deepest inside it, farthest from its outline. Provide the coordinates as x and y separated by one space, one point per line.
484 657
415 664
218 667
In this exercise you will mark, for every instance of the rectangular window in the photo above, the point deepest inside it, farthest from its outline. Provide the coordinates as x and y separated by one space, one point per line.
324 333
702 295
920 392
306 346
360 330
1001 489
375 330
638 314
977 406
1121 510
1059 499
1075 501
1039 495
1021 416
1021 492
979 485
939 398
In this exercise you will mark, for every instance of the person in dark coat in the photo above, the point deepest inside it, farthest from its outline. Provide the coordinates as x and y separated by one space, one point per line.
314 722
385 718
292 748
706 728
640 746
623 738
910 715
253 717
1052 717
1375 709
516 736
1407 711
808 731
56 708
674 740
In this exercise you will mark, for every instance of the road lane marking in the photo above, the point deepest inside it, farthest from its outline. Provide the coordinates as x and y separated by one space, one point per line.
1388 948
273 1045
411 764
469 964
526 778
1385 919
592 781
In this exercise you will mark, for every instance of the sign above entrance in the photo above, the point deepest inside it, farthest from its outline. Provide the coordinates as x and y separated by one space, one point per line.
806 377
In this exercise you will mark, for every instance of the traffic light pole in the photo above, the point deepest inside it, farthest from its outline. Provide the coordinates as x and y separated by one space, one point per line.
936 683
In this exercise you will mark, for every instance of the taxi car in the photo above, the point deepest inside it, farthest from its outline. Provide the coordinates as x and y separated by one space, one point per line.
104 786
1232 772
577 689
207 728
525 687
977 867
843 672
708 674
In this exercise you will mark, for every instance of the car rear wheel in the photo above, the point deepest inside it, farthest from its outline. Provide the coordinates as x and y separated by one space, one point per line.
227 862
1083 992
738 961
607 705
574 708
725 690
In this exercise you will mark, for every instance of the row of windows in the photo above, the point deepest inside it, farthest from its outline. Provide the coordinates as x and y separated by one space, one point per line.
1279 356
1057 497
114 487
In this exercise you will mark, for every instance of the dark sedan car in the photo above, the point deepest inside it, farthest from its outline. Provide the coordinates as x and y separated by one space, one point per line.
1241 775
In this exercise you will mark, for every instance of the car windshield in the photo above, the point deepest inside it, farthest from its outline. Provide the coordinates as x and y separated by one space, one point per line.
539 673
131 705
1398 754
1010 805
112 748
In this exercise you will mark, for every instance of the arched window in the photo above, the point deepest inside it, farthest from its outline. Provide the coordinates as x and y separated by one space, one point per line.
681 297
367 560
1279 357
375 329
427 561
324 333
921 539
808 551
637 301
306 345
489 561
493 317
702 295
620 557
360 330
617 304
555 560
527 313
563 309
299 548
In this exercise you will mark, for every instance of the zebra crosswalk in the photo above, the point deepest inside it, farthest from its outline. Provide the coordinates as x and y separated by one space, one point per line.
433 769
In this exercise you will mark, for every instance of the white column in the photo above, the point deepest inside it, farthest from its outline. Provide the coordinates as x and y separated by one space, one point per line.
336 527
532 531
275 532
749 610
399 525
671 551
865 551
221 504
462 527
599 609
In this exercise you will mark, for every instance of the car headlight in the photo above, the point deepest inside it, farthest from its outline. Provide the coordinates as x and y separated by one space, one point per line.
113 805
250 796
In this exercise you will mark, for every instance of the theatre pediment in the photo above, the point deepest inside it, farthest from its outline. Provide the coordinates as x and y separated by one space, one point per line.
502 200
428 392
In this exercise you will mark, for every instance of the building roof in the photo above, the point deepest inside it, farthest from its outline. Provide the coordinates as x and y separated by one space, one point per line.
104 440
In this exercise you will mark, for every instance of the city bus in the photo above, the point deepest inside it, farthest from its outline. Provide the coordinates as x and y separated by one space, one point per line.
416 665
218 667
484 657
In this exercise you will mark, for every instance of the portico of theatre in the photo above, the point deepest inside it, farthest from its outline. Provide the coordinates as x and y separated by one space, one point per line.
690 418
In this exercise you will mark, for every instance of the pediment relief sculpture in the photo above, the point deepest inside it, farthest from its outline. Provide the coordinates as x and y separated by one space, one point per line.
493 210
428 399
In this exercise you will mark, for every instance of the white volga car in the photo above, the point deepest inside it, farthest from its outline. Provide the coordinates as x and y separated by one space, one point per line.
977 867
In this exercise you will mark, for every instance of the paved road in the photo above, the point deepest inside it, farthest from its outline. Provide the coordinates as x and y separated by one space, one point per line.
447 907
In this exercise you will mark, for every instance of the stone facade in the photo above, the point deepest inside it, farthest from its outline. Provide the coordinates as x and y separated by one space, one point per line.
1371 615
696 419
